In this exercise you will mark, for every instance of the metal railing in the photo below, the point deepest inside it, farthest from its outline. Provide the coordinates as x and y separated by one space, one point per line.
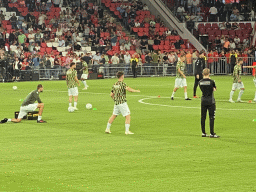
217 66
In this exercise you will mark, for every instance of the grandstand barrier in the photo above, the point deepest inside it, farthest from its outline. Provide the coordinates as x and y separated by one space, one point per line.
217 66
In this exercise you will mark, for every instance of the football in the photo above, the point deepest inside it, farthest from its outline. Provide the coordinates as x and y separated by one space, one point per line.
15 87
88 106
71 109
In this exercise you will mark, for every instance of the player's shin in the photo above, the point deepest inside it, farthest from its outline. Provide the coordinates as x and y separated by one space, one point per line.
240 94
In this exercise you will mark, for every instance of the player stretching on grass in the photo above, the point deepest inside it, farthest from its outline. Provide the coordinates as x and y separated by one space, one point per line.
207 87
254 80
29 105
118 94
237 83
85 74
180 80
71 78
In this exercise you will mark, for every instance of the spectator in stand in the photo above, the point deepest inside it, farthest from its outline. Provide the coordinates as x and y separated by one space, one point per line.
246 42
77 47
147 65
144 46
150 44
113 39
127 59
115 59
218 43
127 45
210 63
228 26
237 40
235 26
145 7
31 47
13 21
155 57
189 63
233 57
226 45
180 13
61 42
232 45
95 60
222 61
177 44
213 12
195 6
174 32
21 39
36 62
222 26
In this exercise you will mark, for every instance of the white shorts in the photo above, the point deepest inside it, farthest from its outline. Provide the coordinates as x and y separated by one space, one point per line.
180 82
254 81
84 76
121 109
25 109
237 86
73 91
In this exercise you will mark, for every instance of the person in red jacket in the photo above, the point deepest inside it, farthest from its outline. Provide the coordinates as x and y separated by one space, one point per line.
210 64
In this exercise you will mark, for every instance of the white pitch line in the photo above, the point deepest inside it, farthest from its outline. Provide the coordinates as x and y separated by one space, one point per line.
172 106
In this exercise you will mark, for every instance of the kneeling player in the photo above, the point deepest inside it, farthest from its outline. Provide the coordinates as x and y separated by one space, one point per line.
29 105
237 83
207 87
118 94
180 80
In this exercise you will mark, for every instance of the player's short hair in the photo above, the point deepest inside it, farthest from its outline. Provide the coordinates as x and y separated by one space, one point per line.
119 74
206 72
71 64
240 59
39 86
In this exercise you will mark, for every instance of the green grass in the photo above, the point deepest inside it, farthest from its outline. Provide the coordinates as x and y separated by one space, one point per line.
167 153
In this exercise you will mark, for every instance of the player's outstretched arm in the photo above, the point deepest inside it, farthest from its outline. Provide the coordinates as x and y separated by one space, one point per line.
132 90
249 66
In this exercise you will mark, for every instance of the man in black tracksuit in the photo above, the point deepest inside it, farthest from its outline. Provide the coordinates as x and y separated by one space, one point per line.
199 66
207 87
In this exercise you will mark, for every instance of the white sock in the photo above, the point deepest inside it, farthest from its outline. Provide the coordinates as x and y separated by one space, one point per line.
173 94
127 127
186 95
70 104
231 94
39 118
9 120
75 104
255 96
108 126
84 82
240 94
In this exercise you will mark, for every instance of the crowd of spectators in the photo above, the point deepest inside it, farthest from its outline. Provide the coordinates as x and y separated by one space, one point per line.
212 10
40 40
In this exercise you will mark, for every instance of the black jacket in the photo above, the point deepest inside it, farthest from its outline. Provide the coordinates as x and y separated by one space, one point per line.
199 66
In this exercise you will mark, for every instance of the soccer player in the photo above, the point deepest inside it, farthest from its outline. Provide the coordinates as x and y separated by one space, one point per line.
254 80
118 94
199 66
237 83
72 81
30 105
85 74
207 87
180 80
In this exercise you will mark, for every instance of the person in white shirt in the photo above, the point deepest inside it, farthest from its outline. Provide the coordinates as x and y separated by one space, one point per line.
13 47
62 42
137 24
16 69
213 11
127 60
232 45
31 37
115 59
237 40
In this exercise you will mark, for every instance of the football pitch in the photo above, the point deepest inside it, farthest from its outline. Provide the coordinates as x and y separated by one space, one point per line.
71 152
